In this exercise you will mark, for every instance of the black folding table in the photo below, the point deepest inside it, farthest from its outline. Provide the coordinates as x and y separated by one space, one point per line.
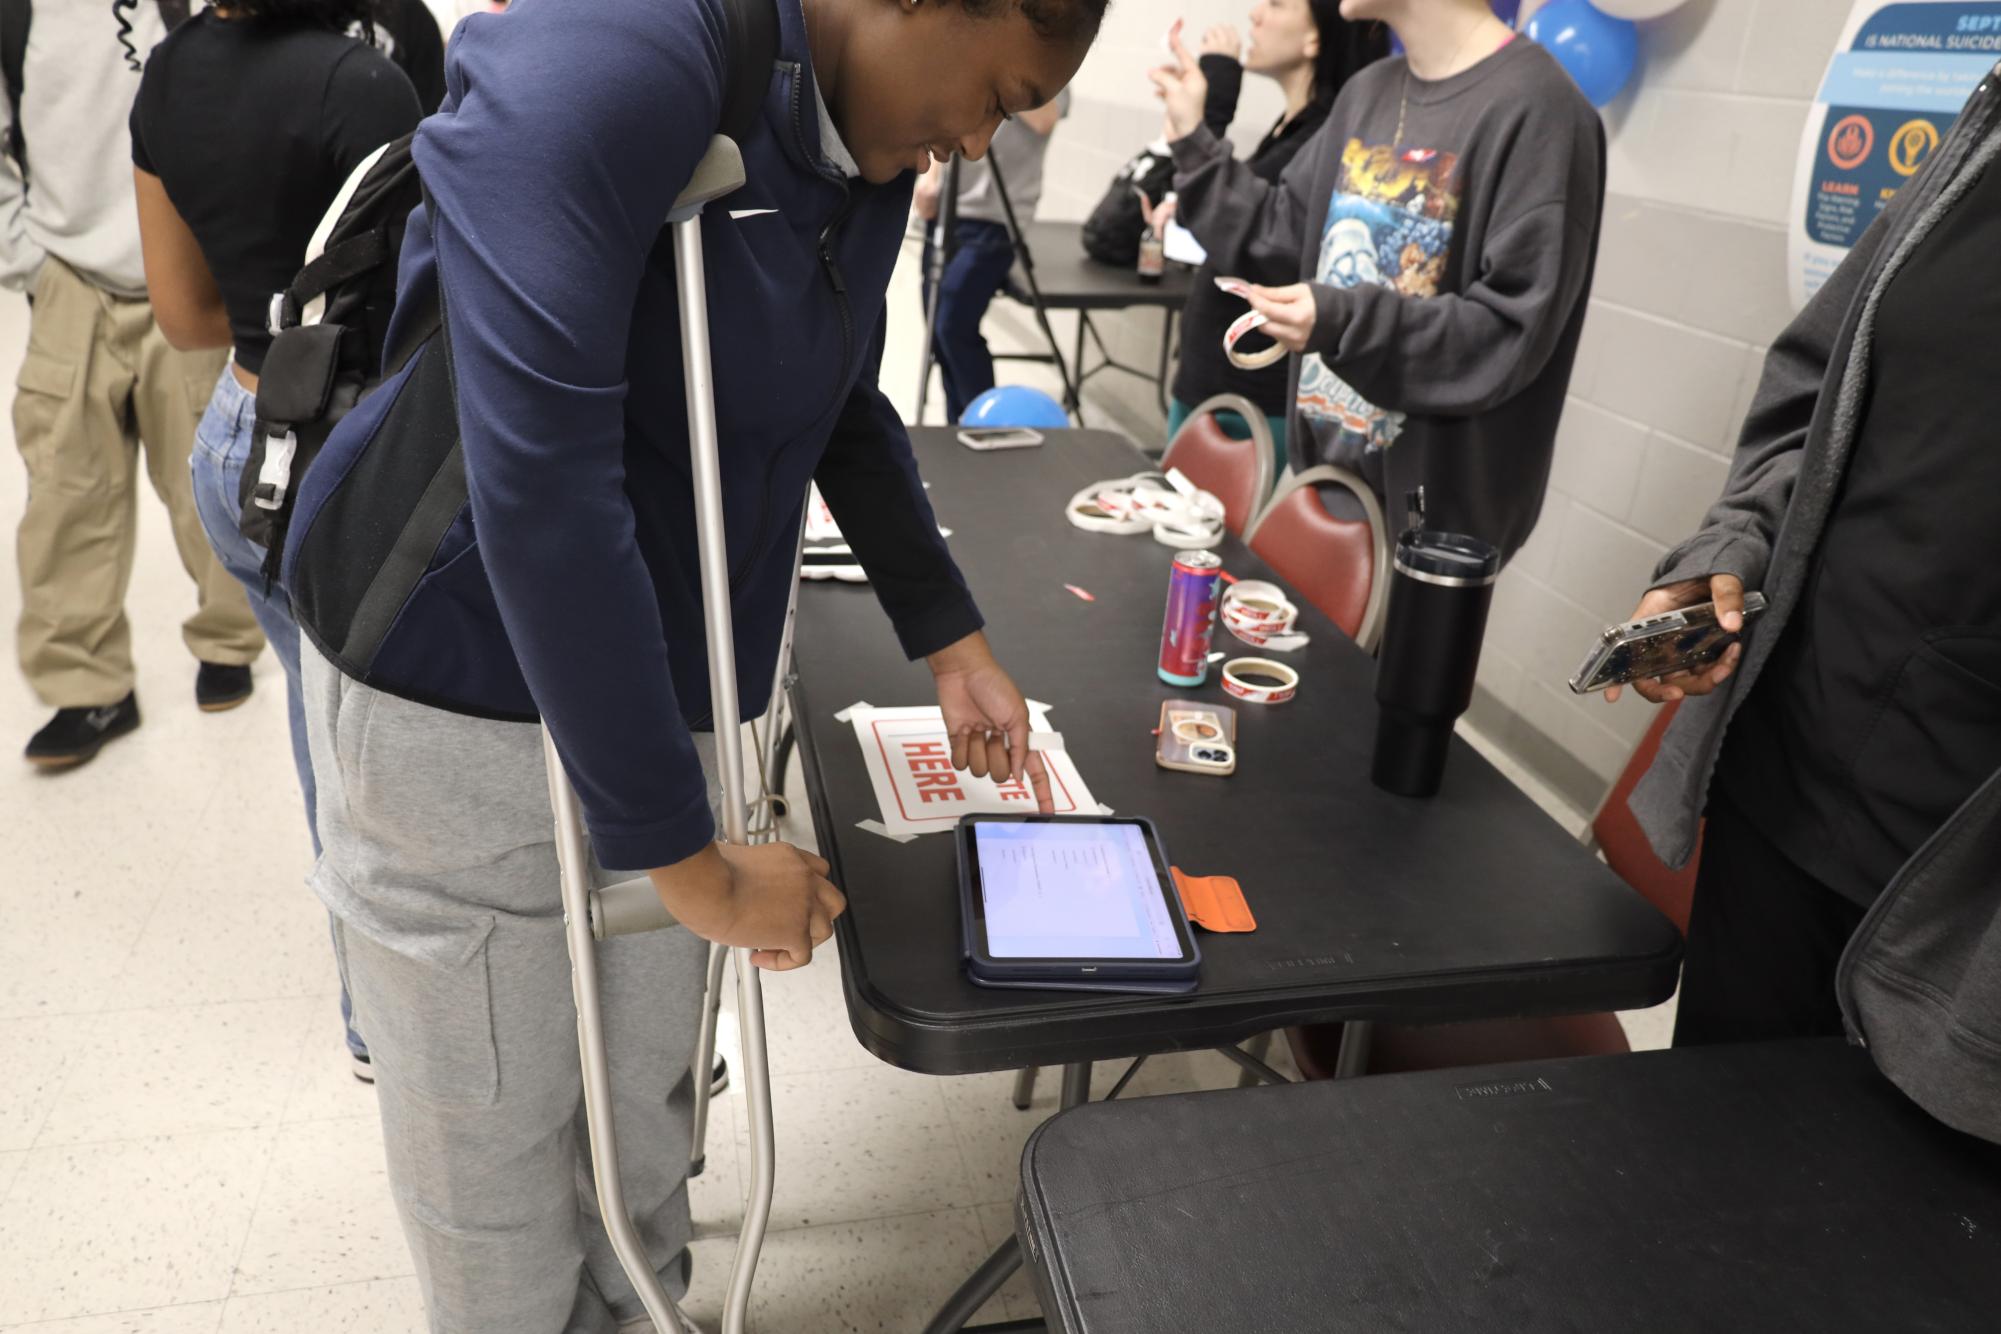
1065 278
1783 1188
1473 904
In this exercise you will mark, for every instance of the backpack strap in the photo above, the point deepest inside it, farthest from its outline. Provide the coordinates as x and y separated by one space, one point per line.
752 50
14 19
340 263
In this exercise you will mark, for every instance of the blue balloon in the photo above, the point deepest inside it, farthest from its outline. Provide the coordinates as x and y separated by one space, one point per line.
1014 405
1598 50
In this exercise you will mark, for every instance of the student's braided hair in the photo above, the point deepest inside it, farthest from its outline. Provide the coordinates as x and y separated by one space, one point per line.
338 15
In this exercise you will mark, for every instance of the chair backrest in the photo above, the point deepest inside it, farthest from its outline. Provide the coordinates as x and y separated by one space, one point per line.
1337 561
1619 836
1239 472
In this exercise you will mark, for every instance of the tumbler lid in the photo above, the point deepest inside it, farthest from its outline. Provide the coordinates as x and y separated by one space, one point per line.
1454 560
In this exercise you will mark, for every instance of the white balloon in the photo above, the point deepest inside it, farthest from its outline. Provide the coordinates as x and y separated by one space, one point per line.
1635 9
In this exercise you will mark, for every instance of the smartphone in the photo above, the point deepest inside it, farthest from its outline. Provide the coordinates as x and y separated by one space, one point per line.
999 437
1664 645
1197 738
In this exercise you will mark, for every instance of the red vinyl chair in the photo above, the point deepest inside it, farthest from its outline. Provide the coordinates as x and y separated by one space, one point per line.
1338 564
1238 472
1395 1048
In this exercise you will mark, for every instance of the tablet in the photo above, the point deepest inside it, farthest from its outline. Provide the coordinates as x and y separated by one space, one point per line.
1071 900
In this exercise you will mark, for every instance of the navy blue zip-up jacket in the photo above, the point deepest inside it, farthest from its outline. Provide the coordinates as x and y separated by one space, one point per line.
568 586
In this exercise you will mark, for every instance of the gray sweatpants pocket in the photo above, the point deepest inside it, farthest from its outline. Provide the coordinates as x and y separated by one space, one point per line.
432 1019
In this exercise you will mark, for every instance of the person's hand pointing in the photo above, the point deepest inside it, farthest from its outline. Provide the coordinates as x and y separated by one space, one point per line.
986 717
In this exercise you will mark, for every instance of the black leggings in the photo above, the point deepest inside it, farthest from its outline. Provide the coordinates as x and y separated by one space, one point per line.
1763 941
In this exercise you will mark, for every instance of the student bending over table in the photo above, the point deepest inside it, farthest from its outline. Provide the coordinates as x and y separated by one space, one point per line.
563 584
1445 221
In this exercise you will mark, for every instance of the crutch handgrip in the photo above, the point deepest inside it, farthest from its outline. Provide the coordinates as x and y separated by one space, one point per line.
628 908
718 173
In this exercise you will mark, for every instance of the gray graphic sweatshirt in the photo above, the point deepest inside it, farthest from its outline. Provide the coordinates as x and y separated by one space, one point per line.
1448 229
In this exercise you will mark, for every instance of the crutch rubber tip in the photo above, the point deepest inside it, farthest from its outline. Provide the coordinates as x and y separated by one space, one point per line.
695 1168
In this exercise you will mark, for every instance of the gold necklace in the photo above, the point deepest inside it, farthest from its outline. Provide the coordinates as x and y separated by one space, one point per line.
1403 98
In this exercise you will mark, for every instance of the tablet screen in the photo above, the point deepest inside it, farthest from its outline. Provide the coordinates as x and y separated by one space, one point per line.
1072 891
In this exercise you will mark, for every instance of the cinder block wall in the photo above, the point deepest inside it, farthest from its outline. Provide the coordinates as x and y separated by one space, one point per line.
1689 291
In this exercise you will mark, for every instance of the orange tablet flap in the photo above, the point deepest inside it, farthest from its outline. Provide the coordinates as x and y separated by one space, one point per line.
1214 902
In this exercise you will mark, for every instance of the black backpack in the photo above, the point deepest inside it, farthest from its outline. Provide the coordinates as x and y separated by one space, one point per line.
1112 232
330 324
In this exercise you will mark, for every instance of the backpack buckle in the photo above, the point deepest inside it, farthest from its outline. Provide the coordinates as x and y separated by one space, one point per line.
274 479
281 315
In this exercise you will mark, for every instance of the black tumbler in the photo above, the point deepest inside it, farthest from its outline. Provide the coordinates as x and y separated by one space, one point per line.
1440 588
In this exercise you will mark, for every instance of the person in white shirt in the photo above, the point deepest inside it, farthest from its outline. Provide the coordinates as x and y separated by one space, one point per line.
99 384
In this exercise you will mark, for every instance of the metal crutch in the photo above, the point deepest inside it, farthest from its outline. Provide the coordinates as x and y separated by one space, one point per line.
632 905
771 801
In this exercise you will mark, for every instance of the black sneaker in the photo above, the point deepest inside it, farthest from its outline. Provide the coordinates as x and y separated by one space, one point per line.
219 687
719 1078
76 735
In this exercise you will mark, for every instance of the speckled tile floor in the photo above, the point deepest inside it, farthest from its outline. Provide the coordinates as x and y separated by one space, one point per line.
182 1150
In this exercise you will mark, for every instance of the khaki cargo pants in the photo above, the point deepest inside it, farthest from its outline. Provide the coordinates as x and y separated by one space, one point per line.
98 381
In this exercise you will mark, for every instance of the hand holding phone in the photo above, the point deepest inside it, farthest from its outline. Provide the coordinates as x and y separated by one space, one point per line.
1683 640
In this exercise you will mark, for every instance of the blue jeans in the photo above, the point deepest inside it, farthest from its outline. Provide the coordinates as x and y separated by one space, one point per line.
221 448
982 254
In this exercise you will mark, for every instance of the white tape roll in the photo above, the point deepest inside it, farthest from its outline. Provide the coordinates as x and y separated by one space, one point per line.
1250 361
1172 508
1260 680
1261 615
1124 505
1187 533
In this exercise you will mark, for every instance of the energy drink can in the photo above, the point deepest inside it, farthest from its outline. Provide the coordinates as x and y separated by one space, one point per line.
1193 589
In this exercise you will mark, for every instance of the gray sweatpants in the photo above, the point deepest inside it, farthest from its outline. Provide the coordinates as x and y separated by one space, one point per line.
439 866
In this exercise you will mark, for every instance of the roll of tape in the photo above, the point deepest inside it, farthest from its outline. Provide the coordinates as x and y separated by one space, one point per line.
1189 531
1260 680
1261 615
1250 361
1122 505
1178 514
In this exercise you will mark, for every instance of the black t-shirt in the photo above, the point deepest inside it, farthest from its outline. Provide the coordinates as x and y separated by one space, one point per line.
252 126
1205 370
1880 710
